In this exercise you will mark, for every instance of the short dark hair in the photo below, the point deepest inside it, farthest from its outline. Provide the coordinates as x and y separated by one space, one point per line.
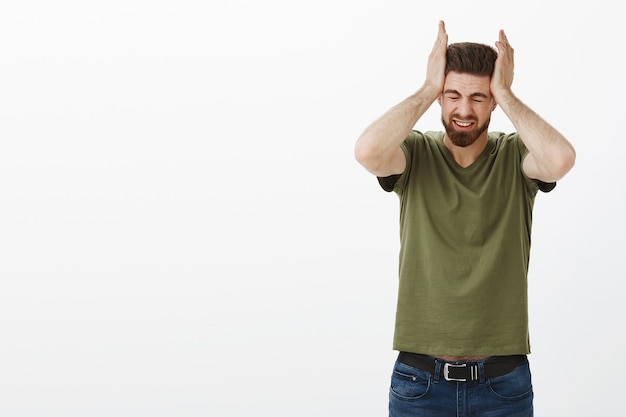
472 58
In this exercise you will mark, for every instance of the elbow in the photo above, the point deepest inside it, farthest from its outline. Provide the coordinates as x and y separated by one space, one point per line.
370 159
361 154
377 161
365 156
567 162
563 165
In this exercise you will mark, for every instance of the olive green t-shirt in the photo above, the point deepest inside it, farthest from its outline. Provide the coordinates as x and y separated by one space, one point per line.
465 242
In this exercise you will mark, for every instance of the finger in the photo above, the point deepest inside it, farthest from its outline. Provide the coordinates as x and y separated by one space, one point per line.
503 41
441 31
442 35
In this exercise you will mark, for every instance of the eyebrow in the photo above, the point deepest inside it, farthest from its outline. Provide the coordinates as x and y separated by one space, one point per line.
451 91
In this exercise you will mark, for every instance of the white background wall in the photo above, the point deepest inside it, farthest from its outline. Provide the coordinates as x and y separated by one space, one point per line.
184 230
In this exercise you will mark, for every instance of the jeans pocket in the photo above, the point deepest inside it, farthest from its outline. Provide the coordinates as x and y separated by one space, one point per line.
408 383
517 384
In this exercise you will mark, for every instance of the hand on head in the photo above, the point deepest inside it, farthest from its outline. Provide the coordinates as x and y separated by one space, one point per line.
502 77
435 72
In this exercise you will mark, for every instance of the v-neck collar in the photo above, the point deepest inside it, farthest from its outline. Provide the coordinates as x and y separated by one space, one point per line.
450 158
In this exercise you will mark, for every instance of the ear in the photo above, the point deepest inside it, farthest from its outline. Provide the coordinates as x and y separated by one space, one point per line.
439 99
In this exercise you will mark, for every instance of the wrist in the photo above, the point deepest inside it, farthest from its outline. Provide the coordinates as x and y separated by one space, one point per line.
504 97
429 92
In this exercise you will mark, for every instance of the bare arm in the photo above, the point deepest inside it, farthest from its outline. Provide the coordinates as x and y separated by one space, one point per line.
550 155
378 147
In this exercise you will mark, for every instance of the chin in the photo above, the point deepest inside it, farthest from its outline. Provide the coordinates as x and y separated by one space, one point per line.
462 142
465 138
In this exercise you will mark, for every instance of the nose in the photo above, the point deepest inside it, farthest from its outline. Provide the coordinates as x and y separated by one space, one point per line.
465 108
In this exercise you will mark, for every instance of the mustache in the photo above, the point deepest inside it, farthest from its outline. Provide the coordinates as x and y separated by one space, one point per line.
467 119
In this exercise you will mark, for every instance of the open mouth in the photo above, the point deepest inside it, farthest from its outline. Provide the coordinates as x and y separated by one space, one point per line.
463 125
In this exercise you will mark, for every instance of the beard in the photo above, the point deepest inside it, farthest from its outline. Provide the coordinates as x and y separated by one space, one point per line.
463 139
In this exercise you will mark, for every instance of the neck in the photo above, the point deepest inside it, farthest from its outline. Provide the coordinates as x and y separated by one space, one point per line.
465 156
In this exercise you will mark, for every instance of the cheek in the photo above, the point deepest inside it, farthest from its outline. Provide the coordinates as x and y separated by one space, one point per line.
446 109
445 115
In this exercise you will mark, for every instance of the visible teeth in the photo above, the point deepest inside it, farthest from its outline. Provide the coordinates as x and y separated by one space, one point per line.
463 124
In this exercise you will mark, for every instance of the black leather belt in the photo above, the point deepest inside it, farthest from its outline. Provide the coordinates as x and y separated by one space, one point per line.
463 371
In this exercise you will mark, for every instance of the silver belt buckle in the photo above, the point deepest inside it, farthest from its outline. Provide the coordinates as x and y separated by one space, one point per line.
446 371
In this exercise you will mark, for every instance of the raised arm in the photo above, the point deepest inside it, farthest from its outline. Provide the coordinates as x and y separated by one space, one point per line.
550 155
378 147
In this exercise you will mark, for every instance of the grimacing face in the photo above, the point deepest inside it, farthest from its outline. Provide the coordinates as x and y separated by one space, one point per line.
466 106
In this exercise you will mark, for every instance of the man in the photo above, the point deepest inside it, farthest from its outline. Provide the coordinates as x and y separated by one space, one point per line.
466 199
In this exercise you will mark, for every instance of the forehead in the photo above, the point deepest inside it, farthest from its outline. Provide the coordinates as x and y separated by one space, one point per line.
467 84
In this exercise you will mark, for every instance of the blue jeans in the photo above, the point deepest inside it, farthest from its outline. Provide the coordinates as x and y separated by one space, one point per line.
416 393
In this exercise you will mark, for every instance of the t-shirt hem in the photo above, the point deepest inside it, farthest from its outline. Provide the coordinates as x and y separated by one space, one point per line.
441 351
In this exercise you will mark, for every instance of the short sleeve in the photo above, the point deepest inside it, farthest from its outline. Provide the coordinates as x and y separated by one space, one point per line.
392 182
545 187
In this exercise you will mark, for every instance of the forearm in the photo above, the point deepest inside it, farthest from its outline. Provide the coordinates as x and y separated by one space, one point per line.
552 154
380 141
